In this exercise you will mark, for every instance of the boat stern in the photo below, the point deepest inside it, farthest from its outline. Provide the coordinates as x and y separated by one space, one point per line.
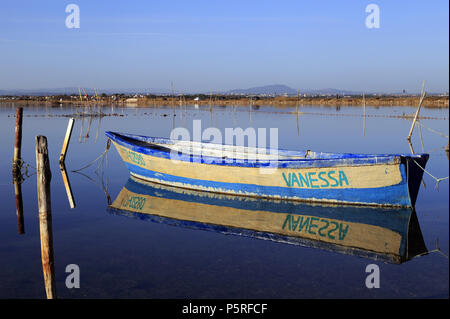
415 166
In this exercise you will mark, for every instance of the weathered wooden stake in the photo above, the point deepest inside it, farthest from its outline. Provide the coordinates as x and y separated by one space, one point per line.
364 106
45 215
417 112
19 206
173 94
411 147
17 142
62 157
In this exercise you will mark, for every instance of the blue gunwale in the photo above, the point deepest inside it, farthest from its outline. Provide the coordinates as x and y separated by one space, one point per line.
131 142
403 194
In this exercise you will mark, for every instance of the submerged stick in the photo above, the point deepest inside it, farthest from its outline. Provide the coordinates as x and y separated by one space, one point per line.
81 130
45 215
19 206
66 181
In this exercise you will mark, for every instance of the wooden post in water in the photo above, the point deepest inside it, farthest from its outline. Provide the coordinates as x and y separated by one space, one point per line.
45 215
173 93
62 157
16 170
296 111
364 106
19 205
17 142
417 112
79 92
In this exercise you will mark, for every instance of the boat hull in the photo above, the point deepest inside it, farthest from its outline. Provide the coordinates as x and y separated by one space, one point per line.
389 234
378 181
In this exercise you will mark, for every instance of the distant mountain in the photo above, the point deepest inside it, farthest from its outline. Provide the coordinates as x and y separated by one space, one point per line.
279 89
276 89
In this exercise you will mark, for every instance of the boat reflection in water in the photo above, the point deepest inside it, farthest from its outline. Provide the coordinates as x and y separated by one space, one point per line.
388 234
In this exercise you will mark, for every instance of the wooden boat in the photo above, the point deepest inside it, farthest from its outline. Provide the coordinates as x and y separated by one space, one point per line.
388 234
380 180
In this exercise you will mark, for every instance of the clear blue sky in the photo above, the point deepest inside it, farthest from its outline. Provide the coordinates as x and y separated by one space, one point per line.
220 45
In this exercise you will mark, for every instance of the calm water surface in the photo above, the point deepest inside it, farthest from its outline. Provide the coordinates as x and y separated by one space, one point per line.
123 257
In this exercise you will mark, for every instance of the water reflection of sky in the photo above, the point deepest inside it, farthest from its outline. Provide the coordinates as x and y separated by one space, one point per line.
120 257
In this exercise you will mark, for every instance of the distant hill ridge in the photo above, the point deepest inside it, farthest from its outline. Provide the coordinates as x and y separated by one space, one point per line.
279 89
275 89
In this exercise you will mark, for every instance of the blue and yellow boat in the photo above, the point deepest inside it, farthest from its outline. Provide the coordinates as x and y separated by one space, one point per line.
381 233
358 179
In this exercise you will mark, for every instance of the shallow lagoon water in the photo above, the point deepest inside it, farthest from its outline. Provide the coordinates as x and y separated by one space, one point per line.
121 257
